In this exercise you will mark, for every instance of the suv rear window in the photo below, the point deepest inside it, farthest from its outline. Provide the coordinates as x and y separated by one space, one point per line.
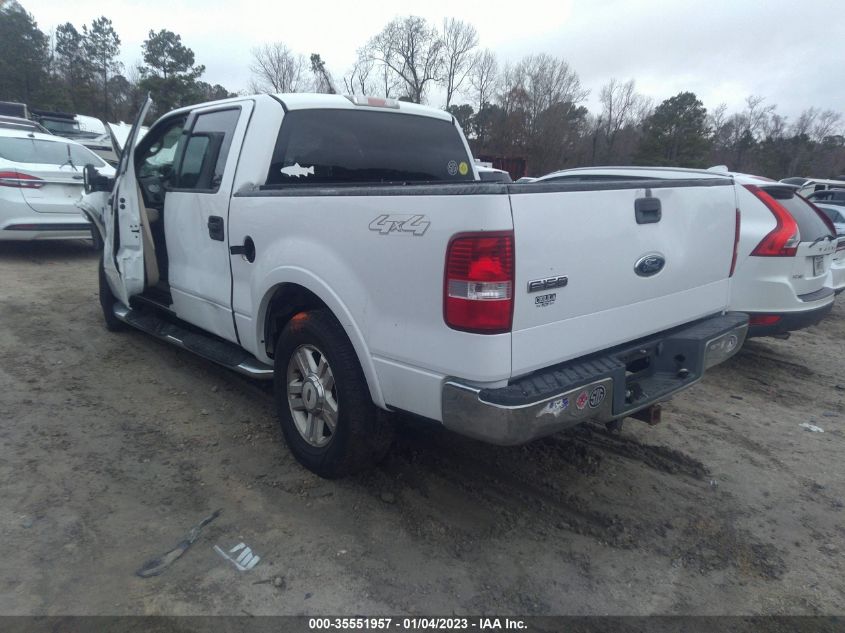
359 146
810 223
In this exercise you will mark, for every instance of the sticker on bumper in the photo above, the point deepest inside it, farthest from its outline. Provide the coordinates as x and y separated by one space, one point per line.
597 396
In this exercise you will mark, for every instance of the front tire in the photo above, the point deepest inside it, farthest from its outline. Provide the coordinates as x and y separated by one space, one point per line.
107 301
328 419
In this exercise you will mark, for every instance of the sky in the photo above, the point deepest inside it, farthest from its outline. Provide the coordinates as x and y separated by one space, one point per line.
791 53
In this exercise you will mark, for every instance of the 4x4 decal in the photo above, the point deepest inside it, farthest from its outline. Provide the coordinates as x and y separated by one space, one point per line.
398 223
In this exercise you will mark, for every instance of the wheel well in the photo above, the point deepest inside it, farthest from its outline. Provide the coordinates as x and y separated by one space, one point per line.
288 300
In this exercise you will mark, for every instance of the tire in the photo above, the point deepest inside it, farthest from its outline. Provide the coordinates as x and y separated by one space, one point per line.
107 301
314 356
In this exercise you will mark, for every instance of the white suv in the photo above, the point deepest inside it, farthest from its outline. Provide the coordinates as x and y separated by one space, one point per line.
784 252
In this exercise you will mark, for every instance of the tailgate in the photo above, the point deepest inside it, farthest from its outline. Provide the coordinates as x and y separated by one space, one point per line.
636 260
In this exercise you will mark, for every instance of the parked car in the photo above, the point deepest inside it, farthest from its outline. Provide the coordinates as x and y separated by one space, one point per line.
345 248
41 181
491 174
785 249
807 186
837 267
828 196
18 123
835 212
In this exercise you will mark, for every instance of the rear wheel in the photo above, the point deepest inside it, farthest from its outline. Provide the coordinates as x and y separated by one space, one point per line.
107 301
328 419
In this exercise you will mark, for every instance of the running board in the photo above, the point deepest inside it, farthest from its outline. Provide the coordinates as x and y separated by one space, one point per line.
209 347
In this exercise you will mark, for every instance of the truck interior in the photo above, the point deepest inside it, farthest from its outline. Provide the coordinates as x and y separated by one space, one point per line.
155 158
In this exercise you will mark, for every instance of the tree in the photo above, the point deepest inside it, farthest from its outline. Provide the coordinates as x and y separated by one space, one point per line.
620 107
358 81
170 74
72 69
482 78
464 115
676 133
413 50
275 68
166 56
102 46
322 79
24 55
459 39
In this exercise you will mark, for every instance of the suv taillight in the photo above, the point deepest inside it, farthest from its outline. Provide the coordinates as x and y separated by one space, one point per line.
478 282
783 240
19 180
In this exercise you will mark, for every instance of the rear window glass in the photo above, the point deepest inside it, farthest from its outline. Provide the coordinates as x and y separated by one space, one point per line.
349 146
810 223
28 150
833 214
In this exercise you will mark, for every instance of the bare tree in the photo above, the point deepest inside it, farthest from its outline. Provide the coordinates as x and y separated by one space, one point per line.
547 81
357 81
459 39
482 77
276 69
620 104
827 124
413 50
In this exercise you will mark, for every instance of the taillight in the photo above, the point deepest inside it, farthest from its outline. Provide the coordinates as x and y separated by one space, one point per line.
763 319
736 243
19 180
783 240
478 282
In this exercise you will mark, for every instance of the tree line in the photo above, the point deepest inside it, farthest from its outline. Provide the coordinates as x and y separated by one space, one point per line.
533 108
77 70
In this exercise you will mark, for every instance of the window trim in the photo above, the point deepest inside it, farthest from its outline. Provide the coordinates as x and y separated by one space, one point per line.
187 132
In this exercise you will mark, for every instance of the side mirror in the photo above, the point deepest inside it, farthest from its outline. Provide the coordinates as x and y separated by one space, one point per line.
92 180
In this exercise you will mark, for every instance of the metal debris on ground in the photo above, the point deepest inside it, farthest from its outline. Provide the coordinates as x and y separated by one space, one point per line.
158 565
811 427
245 561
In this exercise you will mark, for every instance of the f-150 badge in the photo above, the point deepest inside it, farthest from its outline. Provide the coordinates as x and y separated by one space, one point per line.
397 223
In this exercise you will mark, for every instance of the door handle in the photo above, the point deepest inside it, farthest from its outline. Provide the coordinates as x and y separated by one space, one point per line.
215 228
247 249
647 210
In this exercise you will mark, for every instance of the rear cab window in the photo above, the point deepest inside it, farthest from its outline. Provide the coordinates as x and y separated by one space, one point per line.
337 147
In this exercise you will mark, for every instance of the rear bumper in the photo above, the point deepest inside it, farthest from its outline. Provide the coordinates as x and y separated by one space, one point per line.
603 387
791 321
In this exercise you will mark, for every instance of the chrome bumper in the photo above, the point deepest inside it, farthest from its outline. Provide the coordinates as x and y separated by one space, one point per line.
613 392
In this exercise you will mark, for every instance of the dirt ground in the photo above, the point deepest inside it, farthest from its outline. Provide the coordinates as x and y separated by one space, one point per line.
113 445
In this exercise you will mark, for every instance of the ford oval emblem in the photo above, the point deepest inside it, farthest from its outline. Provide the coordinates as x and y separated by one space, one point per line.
649 265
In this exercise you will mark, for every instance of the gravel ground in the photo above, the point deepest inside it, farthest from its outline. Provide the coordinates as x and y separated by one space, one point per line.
113 445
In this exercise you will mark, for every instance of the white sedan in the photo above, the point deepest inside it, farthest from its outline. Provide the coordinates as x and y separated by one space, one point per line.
40 185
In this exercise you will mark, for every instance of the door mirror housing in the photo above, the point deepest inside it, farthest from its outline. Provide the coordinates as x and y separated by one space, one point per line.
93 181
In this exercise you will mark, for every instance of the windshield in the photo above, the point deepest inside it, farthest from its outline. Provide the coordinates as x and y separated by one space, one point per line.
58 126
38 151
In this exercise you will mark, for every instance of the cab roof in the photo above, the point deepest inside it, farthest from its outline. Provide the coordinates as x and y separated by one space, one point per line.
306 101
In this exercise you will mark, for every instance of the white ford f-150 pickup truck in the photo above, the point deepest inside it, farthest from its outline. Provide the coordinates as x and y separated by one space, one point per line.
345 248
